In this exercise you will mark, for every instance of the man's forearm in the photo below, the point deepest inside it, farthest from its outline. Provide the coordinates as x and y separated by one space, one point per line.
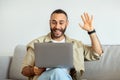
96 43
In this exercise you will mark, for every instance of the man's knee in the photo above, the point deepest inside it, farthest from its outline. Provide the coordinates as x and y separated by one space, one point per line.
60 74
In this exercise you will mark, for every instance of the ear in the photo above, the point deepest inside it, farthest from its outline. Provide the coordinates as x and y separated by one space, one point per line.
49 23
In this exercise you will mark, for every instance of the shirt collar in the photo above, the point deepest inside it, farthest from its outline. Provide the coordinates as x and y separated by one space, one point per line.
49 39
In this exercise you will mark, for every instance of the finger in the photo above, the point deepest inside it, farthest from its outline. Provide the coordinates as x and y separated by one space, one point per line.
86 17
35 69
83 19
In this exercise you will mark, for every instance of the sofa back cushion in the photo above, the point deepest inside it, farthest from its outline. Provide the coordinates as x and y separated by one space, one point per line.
4 66
15 68
107 68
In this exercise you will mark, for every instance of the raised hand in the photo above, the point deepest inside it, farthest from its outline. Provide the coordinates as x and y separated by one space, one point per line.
87 20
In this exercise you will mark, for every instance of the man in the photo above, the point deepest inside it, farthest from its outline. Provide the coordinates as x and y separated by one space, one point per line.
58 24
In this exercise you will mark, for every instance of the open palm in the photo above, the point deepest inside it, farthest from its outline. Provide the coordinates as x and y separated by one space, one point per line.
87 20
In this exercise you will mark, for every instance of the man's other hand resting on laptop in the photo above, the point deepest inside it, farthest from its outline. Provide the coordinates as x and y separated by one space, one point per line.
38 71
58 24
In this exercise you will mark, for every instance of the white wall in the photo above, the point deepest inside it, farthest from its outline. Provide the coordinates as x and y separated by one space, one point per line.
23 20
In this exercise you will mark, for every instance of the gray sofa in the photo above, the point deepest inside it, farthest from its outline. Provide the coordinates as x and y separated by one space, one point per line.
107 68
10 65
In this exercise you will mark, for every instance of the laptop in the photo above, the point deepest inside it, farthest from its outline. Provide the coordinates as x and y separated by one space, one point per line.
51 55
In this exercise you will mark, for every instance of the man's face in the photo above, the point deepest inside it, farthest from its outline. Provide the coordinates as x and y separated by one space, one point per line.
58 24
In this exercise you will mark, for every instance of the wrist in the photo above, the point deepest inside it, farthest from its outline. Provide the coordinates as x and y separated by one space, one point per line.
91 32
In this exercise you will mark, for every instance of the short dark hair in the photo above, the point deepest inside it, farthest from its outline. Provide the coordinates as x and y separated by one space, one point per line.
60 11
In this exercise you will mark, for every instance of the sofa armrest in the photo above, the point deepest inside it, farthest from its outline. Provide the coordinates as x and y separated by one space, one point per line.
15 67
4 66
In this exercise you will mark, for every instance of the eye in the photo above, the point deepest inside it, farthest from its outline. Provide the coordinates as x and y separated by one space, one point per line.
61 22
53 22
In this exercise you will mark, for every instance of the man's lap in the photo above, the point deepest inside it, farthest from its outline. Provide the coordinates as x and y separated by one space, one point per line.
55 74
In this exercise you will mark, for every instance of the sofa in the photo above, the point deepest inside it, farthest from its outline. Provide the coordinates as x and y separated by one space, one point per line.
107 68
10 66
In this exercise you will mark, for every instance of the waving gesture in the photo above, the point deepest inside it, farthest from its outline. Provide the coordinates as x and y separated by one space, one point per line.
87 20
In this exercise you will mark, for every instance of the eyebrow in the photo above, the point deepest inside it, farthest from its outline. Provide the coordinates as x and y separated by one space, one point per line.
59 20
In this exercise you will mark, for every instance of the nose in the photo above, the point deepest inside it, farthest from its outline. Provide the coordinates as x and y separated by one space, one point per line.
57 25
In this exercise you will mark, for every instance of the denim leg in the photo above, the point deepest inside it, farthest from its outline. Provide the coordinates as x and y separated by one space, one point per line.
55 74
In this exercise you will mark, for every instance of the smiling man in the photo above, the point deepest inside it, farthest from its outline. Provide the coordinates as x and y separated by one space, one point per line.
58 24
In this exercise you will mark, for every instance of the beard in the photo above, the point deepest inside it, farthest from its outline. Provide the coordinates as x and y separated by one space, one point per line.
57 33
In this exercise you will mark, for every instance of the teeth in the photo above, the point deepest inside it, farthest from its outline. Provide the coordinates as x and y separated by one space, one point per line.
57 30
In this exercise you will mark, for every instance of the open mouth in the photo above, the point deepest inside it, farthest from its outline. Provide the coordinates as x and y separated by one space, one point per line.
57 32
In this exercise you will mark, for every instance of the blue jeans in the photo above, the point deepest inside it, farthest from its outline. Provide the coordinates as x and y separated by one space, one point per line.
55 74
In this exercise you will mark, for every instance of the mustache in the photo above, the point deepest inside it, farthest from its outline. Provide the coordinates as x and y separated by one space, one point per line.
61 30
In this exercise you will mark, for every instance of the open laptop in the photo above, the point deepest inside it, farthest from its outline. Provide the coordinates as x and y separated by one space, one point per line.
53 55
